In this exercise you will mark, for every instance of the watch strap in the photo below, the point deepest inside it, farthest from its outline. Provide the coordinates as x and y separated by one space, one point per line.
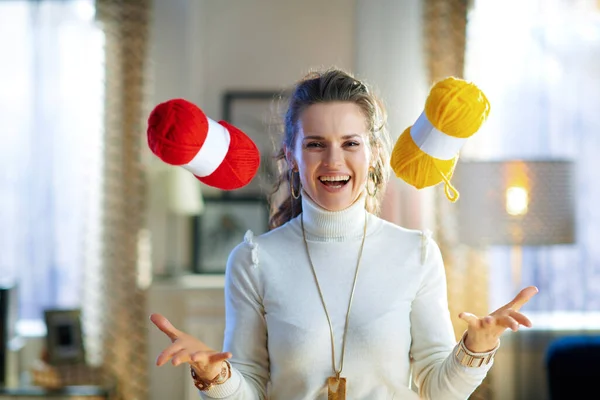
473 360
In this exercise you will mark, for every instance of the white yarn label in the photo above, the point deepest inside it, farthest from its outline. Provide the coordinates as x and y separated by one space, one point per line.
434 142
213 151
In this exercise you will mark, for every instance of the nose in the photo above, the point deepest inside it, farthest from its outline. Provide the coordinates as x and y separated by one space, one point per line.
334 157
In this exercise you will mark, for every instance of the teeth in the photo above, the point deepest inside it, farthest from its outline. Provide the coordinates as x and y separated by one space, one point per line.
341 178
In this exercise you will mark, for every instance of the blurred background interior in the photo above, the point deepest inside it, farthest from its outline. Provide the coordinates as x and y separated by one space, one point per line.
96 232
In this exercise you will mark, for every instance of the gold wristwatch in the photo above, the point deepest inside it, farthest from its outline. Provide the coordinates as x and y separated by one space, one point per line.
470 359
204 385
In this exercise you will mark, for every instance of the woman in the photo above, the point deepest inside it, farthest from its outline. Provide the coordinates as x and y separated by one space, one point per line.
334 300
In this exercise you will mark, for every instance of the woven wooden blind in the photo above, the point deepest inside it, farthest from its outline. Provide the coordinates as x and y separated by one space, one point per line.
122 319
445 23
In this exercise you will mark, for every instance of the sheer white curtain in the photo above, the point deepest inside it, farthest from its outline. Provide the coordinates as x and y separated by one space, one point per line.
539 63
51 101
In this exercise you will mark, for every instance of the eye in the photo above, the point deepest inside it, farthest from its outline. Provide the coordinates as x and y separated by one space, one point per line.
314 145
352 143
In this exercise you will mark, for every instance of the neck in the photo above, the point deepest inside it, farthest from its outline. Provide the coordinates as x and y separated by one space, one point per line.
324 225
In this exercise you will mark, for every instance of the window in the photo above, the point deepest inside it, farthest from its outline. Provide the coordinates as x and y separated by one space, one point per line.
51 103
539 64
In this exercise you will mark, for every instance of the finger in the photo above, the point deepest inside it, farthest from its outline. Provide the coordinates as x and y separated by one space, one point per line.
219 357
488 321
200 358
520 318
167 353
508 322
165 326
182 356
470 319
523 297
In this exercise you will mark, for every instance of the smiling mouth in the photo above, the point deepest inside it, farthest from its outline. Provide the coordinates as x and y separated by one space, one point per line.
334 182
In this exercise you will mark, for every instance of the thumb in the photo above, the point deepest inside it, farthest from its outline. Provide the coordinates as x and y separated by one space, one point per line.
522 297
470 319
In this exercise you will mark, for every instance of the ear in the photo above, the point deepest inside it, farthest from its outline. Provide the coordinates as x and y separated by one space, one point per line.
374 155
289 158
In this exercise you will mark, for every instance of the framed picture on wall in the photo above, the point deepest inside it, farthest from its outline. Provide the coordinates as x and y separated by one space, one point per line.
64 339
259 114
222 226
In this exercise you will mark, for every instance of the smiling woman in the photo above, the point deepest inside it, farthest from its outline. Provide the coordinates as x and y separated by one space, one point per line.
332 151
333 300
324 127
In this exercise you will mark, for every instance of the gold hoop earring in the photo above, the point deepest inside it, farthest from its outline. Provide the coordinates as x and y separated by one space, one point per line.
295 195
372 177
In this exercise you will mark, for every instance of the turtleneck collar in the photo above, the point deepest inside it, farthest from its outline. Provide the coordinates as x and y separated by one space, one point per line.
324 225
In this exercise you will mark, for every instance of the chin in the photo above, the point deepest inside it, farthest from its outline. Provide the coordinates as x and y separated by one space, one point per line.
334 201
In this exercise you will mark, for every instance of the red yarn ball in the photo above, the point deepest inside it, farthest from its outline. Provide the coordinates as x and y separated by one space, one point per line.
238 171
177 129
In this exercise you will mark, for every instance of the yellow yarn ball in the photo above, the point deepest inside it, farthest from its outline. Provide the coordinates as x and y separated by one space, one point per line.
455 107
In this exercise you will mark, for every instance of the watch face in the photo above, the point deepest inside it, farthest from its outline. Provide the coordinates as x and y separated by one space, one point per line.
223 374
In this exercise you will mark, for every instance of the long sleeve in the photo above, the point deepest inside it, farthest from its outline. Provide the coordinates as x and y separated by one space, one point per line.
399 312
246 331
438 374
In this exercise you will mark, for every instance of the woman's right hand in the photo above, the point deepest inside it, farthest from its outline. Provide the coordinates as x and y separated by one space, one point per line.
185 348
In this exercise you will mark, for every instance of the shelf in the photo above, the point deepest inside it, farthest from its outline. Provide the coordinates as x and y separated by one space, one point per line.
67 391
190 281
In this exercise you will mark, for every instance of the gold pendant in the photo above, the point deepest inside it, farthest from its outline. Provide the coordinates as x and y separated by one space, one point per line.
336 388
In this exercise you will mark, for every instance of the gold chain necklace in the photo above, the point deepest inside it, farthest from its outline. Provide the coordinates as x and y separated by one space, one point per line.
336 384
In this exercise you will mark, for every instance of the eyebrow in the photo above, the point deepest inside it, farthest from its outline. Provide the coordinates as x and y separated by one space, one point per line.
317 137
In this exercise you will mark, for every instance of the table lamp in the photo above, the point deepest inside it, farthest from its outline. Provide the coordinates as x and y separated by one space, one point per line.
516 203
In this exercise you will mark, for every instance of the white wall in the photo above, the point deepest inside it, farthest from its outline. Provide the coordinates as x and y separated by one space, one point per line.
260 44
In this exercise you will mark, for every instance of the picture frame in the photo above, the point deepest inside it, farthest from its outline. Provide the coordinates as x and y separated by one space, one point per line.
64 338
221 227
259 114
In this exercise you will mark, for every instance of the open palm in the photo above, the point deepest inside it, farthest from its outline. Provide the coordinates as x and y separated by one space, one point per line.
483 333
185 348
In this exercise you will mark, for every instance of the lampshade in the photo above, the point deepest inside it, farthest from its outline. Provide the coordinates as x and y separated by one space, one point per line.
184 196
516 202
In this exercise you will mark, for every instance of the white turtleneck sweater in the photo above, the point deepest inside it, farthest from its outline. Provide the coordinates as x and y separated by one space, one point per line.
278 333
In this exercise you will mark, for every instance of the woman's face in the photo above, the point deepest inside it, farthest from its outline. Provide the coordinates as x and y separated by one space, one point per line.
332 153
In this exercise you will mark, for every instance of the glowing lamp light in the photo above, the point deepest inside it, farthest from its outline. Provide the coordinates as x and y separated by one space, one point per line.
517 200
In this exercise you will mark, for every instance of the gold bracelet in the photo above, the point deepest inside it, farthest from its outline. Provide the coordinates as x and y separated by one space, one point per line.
470 359
204 385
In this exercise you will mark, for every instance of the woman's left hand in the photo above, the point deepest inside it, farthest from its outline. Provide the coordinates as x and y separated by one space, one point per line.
483 333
